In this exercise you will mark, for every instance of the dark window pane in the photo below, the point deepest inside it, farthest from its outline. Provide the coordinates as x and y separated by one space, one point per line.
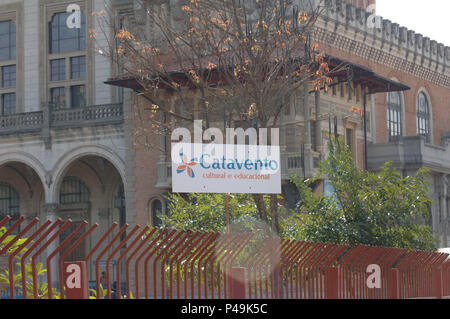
9 76
394 116
9 204
4 40
349 138
7 40
58 97
8 104
156 213
78 67
78 96
423 117
4 53
73 190
58 69
4 27
63 39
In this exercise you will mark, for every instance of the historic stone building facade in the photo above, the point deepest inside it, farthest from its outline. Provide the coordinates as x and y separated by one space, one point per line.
63 138
67 146
410 128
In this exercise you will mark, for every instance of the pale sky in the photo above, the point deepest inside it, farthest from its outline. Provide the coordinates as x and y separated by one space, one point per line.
431 18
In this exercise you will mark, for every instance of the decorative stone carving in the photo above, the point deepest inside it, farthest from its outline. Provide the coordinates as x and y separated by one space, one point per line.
48 178
51 208
74 215
140 9
79 211
103 213
416 54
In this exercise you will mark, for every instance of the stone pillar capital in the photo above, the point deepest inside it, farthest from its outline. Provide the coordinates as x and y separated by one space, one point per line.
51 208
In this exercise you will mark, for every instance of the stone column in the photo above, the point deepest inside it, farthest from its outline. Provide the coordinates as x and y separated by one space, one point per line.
51 213
443 192
446 210
307 135
443 198
318 131
130 156
47 116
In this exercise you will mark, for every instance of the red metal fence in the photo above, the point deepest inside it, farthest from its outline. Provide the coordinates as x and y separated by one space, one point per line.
148 262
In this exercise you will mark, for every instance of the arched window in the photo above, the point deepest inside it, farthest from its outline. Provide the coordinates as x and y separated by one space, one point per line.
156 211
394 116
73 191
119 203
9 202
423 116
62 39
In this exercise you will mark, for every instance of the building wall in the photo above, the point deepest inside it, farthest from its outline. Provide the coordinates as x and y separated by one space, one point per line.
36 162
392 52
395 53
399 54
438 99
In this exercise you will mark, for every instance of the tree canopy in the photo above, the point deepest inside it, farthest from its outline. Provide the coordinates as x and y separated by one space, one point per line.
382 208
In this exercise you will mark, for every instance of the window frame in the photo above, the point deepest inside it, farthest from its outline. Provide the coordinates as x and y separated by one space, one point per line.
80 187
59 67
72 97
3 76
423 117
48 9
152 213
2 104
14 206
10 37
55 105
81 72
391 110
12 61
80 47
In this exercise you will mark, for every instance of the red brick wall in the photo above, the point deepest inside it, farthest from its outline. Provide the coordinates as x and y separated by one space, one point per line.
146 169
439 99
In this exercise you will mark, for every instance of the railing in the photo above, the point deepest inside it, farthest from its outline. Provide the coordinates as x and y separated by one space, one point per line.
23 122
163 263
93 115
408 151
291 164
61 118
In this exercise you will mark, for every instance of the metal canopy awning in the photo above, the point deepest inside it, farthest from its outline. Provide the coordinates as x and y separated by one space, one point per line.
343 71
363 76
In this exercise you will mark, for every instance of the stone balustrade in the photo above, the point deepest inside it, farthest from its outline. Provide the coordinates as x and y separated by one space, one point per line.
50 118
23 122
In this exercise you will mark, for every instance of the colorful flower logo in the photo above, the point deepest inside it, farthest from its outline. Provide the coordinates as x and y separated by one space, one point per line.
186 166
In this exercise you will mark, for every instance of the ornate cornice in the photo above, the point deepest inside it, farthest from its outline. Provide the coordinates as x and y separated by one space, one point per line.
363 50
345 27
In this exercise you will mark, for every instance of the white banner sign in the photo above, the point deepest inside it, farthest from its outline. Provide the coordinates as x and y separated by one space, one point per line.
225 168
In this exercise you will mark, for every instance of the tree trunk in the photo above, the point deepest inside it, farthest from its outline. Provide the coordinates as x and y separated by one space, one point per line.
259 201
274 214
